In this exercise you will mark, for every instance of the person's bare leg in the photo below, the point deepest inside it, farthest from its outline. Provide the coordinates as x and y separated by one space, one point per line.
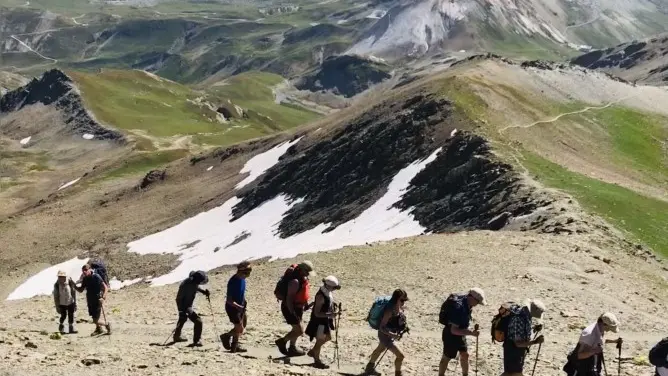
464 361
376 353
443 365
292 337
398 361
315 351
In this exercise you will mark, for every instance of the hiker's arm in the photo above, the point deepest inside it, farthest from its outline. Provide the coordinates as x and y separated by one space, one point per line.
383 324
105 288
587 351
456 330
56 298
293 288
80 289
618 340
317 307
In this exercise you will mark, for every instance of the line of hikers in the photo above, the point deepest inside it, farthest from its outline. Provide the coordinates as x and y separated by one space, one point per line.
513 325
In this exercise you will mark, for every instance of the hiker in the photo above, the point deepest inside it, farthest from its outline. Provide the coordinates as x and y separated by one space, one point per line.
185 298
96 293
391 327
321 324
518 337
235 307
65 299
457 317
295 282
658 356
590 345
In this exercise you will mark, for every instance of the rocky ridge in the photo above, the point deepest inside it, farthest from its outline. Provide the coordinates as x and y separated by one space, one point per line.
55 88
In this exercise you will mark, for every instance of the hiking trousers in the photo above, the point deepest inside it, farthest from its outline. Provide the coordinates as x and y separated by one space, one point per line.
197 321
67 312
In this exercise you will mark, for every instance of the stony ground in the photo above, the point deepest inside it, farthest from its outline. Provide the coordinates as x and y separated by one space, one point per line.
578 277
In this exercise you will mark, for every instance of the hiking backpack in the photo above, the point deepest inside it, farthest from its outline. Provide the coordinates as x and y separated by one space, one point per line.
101 270
446 307
281 289
499 329
376 312
658 355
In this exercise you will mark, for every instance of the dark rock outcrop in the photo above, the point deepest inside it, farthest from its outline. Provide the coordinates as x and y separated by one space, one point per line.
152 177
56 88
344 75
337 178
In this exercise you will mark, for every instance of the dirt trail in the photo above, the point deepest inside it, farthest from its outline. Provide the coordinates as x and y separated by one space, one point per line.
552 120
558 269
33 51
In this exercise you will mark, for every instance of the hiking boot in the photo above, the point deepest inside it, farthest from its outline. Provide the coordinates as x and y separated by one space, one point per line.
72 330
370 370
320 365
225 339
237 348
293 351
280 343
196 344
180 339
97 331
61 328
310 354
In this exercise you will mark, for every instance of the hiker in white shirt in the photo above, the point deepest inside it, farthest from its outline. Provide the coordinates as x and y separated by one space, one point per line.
590 345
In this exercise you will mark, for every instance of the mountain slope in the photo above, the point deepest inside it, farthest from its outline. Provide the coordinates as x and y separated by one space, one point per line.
523 28
639 61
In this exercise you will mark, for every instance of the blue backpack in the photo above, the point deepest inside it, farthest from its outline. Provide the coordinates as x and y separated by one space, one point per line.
376 312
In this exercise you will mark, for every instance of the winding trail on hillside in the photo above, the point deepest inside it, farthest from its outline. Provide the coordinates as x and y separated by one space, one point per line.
55 61
580 111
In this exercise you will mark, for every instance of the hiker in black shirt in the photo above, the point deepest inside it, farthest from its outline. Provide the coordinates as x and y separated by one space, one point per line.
321 324
96 293
185 298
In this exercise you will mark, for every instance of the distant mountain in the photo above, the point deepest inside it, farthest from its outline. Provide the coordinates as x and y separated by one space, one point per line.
639 61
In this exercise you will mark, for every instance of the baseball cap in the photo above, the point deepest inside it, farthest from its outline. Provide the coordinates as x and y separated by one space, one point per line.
307 266
62 273
610 320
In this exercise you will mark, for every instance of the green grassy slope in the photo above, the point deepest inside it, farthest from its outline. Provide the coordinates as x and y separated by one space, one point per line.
147 105
626 137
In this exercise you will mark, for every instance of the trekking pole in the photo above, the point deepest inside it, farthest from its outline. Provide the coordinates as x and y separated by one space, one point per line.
213 318
535 363
605 369
336 343
476 349
104 315
170 336
619 358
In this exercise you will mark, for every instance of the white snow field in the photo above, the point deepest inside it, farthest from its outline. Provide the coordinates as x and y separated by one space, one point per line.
205 241
260 163
25 141
42 282
115 284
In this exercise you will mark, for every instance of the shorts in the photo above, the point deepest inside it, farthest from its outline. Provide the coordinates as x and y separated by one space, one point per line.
453 344
513 358
235 315
94 309
386 340
291 319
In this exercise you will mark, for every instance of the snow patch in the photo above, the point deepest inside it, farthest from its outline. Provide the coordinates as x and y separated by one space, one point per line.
240 110
260 163
212 231
88 136
377 14
115 284
42 282
25 140
210 168
69 183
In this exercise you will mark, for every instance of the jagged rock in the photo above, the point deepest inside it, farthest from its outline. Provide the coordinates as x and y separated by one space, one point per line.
56 88
90 361
152 177
498 222
30 345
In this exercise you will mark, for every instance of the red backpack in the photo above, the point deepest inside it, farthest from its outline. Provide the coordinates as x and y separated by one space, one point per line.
281 289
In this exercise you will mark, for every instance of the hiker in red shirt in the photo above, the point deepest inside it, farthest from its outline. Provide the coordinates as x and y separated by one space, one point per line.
293 291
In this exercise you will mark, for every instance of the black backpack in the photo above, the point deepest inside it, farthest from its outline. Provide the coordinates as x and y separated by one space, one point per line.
101 270
658 354
446 308
499 329
281 289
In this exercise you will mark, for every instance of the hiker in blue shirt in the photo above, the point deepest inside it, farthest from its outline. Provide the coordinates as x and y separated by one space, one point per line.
235 307
96 293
